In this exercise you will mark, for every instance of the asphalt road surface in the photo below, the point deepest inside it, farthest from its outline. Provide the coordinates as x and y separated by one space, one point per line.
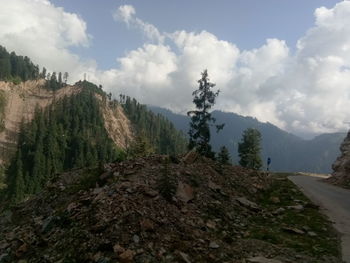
335 203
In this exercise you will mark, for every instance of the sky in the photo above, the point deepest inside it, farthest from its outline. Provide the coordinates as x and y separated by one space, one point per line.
283 62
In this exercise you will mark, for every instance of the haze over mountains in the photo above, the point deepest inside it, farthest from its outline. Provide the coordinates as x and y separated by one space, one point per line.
288 152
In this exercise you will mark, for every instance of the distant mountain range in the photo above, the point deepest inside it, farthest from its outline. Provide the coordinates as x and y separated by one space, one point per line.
287 151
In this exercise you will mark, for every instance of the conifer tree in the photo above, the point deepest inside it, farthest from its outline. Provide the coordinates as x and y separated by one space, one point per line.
19 186
204 99
223 156
249 149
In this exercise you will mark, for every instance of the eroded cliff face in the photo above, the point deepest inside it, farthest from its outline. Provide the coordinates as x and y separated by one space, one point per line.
341 167
20 102
117 125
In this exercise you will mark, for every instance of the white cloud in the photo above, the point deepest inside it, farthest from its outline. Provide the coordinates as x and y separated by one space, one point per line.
304 92
126 13
44 32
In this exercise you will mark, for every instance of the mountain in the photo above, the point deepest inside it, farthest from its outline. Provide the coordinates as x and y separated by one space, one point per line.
287 151
47 130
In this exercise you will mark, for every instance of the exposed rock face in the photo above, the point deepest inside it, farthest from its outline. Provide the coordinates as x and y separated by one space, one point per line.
117 125
22 100
341 167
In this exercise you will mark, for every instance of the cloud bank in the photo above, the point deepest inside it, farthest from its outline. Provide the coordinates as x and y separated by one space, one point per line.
307 91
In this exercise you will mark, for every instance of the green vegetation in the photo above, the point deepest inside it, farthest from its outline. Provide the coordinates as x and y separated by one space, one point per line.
223 156
16 68
249 149
167 184
152 131
317 238
199 133
66 135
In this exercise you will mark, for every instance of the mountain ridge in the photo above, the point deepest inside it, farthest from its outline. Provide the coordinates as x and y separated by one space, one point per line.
288 151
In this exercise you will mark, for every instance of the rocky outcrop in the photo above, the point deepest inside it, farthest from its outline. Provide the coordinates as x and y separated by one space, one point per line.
341 167
21 102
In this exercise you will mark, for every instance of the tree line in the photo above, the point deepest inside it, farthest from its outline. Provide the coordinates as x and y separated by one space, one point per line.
154 133
14 68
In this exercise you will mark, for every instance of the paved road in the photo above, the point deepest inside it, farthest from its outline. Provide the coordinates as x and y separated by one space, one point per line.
334 201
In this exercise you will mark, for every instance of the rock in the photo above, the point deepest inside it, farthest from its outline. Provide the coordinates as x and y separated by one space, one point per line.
185 257
262 260
214 186
151 193
249 204
48 224
275 199
297 208
279 211
72 206
293 230
21 250
341 167
147 225
213 245
312 234
127 256
211 224
118 249
136 239
190 157
184 192
4 258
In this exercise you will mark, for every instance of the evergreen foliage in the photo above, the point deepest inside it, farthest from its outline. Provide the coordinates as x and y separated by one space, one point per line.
16 68
223 156
154 133
68 134
199 133
249 149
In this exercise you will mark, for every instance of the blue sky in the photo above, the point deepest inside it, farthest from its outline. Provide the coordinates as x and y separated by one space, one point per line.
245 22
283 62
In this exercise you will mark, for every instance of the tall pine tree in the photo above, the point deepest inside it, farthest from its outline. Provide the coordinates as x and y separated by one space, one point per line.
204 99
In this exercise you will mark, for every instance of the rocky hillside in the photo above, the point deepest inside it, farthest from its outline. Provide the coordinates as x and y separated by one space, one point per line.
341 167
165 209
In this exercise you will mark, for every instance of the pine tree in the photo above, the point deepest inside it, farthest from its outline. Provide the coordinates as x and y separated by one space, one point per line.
204 99
249 149
223 156
19 186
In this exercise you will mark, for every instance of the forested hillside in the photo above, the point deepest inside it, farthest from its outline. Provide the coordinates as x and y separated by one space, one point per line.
69 133
154 130
287 151
16 68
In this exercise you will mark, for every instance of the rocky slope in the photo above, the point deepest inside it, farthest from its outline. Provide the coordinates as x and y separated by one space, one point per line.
20 104
341 167
157 209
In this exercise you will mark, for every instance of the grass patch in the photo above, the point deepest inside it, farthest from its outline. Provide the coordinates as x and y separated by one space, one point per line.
319 237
